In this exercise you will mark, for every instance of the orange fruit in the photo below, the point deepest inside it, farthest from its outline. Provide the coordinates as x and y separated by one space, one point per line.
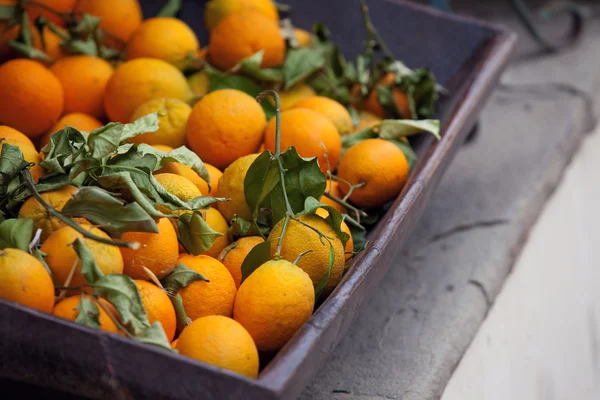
199 83
218 223
67 309
333 187
300 238
32 97
84 79
158 306
173 115
61 257
233 258
168 39
174 343
349 249
224 126
119 18
273 303
216 10
298 92
243 34
304 38
24 280
138 81
202 298
380 165
306 129
231 186
372 103
30 154
222 342
367 120
50 45
178 186
42 219
331 109
80 121
62 6
188 172
158 253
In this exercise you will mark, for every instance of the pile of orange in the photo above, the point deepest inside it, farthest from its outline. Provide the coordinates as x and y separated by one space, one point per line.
232 320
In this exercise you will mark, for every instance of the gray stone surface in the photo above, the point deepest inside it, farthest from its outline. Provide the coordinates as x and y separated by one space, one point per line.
415 328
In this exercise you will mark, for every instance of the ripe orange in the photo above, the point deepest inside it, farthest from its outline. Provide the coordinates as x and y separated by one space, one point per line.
42 219
222 342
30 154
241 35
303 37
50 45
377 163
61 257
63 6
120 18
224 126
367 120
202 298
300 238
333 187
159 252
231 186
372 103
306 130
32 97
234 258
298 92
178 186
158 306
84 79
168 39
138 81
174 343
24 280
188 172
173 115
331 109
67 309
80 121
273 303
218 223
216 10
199 83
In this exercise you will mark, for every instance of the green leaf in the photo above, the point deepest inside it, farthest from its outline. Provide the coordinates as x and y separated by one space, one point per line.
155 335
11 165
7 11
88 313
182 155
16 233
180 277
262 177
323 282
300 63
87 24
398 128
90 270
65 148
195 235
357 137
106 140
241 227
170 10
203 202
251 66
112 215
409 153
29 51
182 318
260 254
359 237
77 46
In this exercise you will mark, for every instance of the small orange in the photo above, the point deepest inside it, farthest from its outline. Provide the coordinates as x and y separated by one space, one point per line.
119 18
367 120
24 280
168 39
378 164
80 121
158 306
159 252
306 130
32 97
199 83
334 111
224 126
273 303
178 186
241 35
43 7
298 92
50 45
222 342
372 103
202 298
304 38
84 79
231 186
42 219
61 257
138 81
173 115
30 154
216 10
218 223
67 309
174 343
333 188
234 257
188 172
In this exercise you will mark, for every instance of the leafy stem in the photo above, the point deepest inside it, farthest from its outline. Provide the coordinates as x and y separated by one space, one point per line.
359 213
372 34
68 221
47 8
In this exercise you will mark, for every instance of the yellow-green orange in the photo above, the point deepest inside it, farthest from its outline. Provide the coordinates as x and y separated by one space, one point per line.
331 109
231 186
173 116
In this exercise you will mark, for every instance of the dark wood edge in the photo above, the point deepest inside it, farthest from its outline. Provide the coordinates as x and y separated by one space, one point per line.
281 374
